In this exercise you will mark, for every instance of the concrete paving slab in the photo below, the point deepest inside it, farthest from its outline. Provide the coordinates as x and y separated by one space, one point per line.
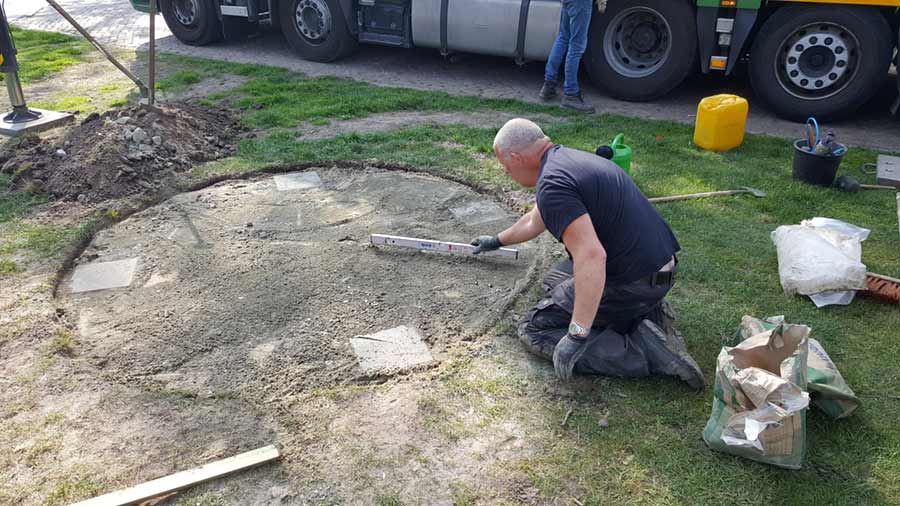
297 181
478 212
104 275
48 120
397 348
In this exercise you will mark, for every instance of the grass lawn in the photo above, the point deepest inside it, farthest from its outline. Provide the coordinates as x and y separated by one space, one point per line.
652 452
43 53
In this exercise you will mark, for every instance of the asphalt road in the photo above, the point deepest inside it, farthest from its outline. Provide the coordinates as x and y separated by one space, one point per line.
114 22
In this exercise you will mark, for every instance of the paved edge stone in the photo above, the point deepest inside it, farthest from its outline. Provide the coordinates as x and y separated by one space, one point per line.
478 212
392 349
103 275
297 181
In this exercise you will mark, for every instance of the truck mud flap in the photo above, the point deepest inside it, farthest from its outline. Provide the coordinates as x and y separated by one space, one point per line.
744 21
895 109
445 6
707 35
523 27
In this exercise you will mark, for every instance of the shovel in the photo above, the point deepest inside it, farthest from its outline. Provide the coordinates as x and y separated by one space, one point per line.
724 193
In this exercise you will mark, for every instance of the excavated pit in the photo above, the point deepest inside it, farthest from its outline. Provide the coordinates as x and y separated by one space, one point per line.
263 287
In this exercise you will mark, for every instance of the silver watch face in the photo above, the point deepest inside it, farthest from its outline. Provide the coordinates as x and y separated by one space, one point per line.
577 330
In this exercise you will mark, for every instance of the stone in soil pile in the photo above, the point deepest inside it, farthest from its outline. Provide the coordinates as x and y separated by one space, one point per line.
122 152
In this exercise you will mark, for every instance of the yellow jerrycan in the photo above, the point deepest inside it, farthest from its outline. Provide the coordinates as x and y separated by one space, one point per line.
721 120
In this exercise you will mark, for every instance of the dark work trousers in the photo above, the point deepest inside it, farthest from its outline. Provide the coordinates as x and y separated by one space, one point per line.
614 350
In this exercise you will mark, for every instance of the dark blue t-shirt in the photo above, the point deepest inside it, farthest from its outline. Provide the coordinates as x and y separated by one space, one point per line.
638 242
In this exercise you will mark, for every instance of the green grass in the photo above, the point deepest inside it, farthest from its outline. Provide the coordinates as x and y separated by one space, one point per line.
14 204
71 490
178 80
41 54
8 267
63 342
205 499
43 241
66 103
388 500
279 98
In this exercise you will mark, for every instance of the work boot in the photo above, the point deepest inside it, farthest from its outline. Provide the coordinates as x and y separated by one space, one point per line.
576 103
668 355
548 90
663 315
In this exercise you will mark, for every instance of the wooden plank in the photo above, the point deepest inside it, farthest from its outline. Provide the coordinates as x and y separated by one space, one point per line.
453 248
184 479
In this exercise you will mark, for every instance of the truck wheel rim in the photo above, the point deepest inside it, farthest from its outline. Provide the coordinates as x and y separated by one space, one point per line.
637 42
186 12
313 20
817 61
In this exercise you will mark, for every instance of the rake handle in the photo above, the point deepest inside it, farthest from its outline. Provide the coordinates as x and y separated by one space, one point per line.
883 278
692 196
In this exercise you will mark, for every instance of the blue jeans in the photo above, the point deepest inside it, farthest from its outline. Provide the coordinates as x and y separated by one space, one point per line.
570 43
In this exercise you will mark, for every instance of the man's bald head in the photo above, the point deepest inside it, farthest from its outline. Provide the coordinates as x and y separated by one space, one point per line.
519 146
517 135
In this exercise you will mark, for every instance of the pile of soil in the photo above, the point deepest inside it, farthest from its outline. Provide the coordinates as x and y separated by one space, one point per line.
123 152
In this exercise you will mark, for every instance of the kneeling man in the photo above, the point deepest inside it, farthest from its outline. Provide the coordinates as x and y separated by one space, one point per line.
604 310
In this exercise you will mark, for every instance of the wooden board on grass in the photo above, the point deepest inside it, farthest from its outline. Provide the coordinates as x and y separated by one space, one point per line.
184 479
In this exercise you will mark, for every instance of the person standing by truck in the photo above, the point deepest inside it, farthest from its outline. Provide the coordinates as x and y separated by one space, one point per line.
570 44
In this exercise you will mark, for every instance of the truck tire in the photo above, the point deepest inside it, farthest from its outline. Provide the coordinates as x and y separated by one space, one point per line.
642 49
316 29
194 22
821 62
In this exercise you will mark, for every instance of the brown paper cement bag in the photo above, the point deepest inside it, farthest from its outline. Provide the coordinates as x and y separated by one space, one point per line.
828 390
759 398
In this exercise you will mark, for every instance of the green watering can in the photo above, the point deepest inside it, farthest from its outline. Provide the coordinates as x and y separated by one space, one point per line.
621 153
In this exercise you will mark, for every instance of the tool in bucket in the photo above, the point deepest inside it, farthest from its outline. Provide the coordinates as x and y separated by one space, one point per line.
818 145
817 159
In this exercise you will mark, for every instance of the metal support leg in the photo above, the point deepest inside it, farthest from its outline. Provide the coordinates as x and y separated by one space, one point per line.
21 119
20 112
151 98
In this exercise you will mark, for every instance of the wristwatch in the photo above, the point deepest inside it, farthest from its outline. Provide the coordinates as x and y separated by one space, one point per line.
576 330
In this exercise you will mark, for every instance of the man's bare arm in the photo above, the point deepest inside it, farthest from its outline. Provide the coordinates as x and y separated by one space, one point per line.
527 228
589 260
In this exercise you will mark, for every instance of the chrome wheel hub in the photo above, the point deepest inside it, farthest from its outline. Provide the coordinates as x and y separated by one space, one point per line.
186 12
637 42
313 19
817 61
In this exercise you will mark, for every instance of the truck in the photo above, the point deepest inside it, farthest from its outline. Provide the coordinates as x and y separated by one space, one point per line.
822 58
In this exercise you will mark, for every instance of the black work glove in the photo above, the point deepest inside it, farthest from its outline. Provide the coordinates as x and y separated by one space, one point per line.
485 243
568 350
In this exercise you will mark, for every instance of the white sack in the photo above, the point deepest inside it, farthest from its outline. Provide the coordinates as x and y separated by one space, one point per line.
820 255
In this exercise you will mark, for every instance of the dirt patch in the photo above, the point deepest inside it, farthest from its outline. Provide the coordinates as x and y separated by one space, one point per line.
390 441
391 121
205 87
244 289
123 152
